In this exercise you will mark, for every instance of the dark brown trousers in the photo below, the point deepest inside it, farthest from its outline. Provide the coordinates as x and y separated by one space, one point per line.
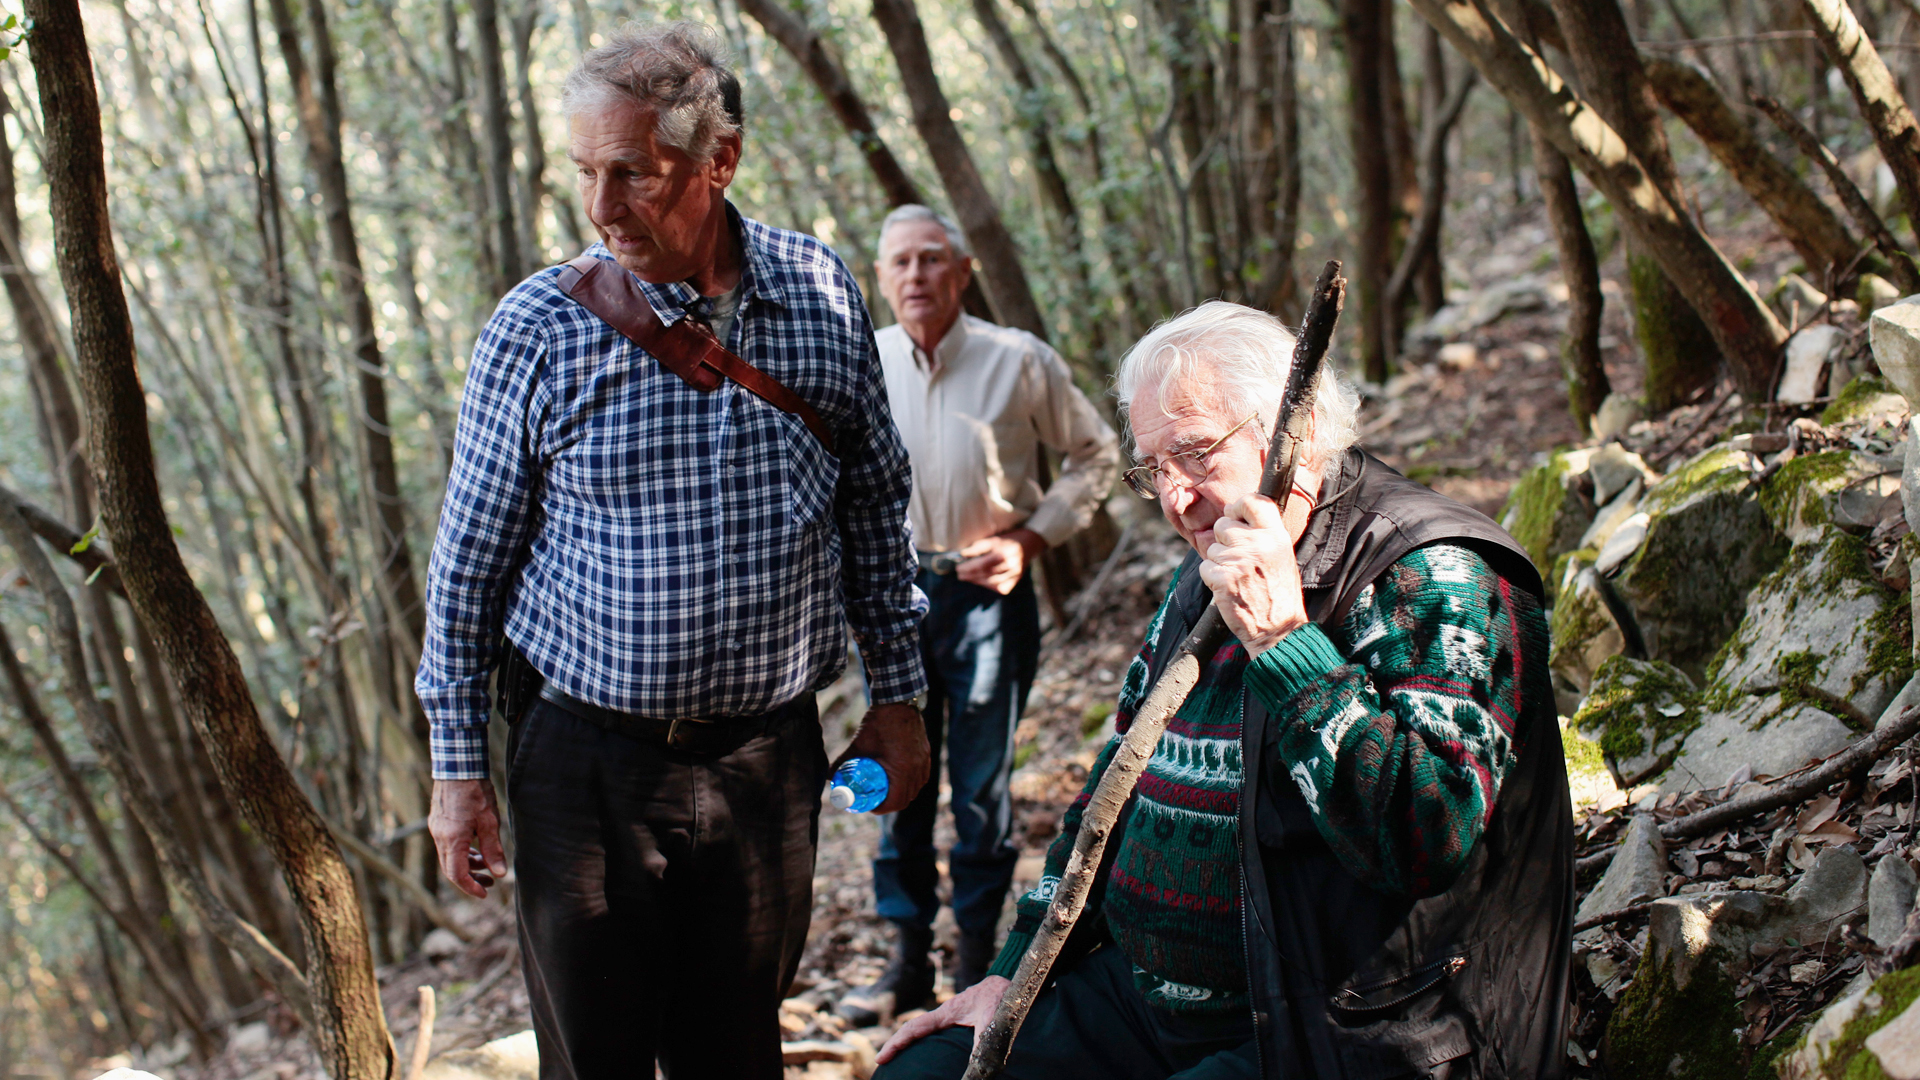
663 896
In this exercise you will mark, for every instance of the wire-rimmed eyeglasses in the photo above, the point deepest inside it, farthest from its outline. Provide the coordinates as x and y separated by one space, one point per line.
1144 479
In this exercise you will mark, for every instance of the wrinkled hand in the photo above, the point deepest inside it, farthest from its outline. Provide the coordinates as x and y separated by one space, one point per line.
974 1008
998 561
896 737
1251 569
465 823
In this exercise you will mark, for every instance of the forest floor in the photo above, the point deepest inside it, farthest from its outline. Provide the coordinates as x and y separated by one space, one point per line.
1466 420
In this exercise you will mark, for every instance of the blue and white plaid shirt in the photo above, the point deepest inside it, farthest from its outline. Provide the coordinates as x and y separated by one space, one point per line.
663 551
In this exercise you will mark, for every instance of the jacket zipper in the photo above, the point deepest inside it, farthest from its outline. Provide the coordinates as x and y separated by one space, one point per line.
1246 937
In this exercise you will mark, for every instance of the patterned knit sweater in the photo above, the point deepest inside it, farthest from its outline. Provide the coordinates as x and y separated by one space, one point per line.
1397 729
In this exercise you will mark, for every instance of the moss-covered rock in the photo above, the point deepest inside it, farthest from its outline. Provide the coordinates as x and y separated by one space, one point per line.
1821 650
1551 507
1707 542
1834 1047
1839 487
1586 631
1639 711
1864 397
1661 1029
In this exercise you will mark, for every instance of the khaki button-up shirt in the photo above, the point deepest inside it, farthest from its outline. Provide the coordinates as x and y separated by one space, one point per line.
973 416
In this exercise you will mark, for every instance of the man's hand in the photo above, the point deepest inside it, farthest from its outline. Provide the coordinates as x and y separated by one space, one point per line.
998 561
896 737
974 1008
465 823
1251 569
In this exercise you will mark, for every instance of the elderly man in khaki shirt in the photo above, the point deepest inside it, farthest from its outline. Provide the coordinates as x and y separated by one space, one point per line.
974 402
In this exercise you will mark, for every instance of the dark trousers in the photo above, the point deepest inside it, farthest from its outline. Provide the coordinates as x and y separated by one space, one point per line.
663 897
980 649
1092 1024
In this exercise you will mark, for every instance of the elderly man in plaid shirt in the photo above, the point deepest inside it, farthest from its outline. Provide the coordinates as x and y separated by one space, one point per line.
670 561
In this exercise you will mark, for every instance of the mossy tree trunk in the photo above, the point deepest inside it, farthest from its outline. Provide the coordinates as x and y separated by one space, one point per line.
1675 345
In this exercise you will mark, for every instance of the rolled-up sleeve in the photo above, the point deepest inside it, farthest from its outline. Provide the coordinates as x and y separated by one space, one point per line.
1068 423
884 607
484 524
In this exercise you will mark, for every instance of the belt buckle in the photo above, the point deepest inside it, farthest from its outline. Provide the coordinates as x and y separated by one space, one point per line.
946 563
674 729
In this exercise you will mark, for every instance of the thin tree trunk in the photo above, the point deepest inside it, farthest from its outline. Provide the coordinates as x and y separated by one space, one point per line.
1673 338
1195 118
495 125
1878 96
979 217
1280 289
1361 22
533 178
1580 357
1430 280
1815 232
1030 106
1423 245
404 626
1404 164
1744 330
340 994
810 51
1900 264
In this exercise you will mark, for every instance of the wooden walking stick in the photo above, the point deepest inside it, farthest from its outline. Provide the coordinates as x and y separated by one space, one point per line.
1169 692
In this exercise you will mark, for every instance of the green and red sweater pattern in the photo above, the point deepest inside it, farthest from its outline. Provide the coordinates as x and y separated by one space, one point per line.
1399 729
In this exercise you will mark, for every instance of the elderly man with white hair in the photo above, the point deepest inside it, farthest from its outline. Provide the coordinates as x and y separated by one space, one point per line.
1351 853
672 506
975 402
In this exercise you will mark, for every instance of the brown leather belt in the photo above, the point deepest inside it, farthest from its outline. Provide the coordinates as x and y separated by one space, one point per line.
710 737
944 563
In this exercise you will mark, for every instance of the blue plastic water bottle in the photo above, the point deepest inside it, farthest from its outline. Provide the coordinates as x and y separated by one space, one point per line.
858 786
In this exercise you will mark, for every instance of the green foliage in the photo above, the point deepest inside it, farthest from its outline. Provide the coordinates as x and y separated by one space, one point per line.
1094 717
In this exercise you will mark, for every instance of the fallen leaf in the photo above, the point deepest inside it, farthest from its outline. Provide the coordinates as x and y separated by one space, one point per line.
1818 812
1834 832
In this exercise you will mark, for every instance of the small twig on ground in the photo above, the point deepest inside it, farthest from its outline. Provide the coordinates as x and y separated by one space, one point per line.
423 1042
1631 911
488 981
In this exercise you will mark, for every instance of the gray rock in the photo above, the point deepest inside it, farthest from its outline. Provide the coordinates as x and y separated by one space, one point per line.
1637 873
1908 696
1687 928
1894 331
126 1074
1807 354
1614 467
1820 632
1639 711
441 943
1772 738
1477 309
1708 541
1616 414
515 1057
1813 1057
1896 1046
1610 517
1585 632
1889 898
1875 292
1623 540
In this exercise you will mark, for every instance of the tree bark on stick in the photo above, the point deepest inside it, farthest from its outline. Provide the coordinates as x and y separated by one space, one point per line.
1878 96
1674 341
1814 230
1745 331
1291 430
979 216
809 50
1899 263
340 993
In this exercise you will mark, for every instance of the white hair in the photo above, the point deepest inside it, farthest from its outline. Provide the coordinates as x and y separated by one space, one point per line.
678 69
906 212
1249 354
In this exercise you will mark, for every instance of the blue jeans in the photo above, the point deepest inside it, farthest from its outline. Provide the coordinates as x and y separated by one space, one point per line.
980 649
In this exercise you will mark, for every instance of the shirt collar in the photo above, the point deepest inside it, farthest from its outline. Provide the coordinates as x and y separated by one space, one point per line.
675 300
945 351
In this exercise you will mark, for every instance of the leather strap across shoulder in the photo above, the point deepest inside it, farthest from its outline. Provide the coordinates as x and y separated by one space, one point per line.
687 348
